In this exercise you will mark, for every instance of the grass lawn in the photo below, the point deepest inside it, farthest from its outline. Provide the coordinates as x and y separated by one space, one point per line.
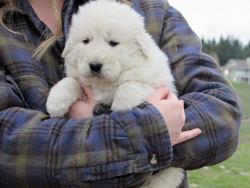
244 91
235 172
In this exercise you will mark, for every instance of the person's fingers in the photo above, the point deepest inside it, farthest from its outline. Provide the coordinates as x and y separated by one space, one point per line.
183 117
171 95
159 94
181 101
88 92
187 135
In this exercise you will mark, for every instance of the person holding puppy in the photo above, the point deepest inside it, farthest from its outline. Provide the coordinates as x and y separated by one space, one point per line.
118 149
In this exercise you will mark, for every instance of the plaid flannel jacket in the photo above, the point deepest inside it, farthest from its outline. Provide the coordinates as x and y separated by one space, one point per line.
109 150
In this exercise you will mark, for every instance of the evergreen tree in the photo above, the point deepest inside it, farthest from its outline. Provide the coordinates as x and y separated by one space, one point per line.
226 48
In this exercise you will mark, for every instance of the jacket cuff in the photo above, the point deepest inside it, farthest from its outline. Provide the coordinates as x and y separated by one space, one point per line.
148 134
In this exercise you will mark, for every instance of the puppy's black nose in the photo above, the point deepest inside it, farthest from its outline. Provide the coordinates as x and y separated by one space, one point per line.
95 67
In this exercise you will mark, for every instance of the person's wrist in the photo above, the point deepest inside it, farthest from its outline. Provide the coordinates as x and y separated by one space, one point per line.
151 126
154 126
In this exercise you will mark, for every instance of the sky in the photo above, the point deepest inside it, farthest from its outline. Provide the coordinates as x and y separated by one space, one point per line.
215 18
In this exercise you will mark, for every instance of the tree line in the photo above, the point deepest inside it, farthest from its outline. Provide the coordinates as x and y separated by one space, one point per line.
226 48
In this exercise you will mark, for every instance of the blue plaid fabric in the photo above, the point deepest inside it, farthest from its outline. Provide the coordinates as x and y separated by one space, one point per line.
108 150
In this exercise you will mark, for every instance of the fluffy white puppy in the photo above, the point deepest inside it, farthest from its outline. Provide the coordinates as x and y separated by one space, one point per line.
109 49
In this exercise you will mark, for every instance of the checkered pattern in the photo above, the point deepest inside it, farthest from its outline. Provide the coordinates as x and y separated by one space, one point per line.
109 150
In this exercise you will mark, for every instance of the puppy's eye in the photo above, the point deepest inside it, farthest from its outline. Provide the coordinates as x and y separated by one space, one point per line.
113 43
86 41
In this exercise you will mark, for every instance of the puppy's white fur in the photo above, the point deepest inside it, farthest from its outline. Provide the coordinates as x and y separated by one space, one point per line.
113 35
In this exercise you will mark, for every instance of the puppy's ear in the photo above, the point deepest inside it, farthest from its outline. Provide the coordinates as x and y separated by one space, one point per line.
68 47
145 43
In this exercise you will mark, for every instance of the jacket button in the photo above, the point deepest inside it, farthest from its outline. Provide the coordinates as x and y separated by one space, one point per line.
153 160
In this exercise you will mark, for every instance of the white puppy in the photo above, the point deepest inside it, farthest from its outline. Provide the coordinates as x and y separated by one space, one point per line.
109 49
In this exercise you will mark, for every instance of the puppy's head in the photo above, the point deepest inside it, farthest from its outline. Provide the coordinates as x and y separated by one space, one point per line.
106 38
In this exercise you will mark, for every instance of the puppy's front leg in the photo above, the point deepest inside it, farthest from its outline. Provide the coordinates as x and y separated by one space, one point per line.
130 94
167 178
62 96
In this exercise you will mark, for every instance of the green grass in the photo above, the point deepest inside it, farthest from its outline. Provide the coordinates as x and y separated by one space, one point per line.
234 172
244 91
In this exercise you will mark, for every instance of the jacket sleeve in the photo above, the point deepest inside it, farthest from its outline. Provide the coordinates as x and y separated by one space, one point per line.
108 150
211 103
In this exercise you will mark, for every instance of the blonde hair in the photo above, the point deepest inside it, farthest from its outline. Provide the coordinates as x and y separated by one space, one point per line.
6 5
44 46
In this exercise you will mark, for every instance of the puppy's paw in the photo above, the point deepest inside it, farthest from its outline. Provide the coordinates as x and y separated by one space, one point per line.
170 177
58 105
62 96
130 94
123 104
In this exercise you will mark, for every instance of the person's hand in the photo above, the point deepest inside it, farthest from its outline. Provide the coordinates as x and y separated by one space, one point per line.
173 113
83 109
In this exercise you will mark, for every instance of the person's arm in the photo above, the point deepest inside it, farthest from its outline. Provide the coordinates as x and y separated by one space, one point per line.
211 103
113 149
